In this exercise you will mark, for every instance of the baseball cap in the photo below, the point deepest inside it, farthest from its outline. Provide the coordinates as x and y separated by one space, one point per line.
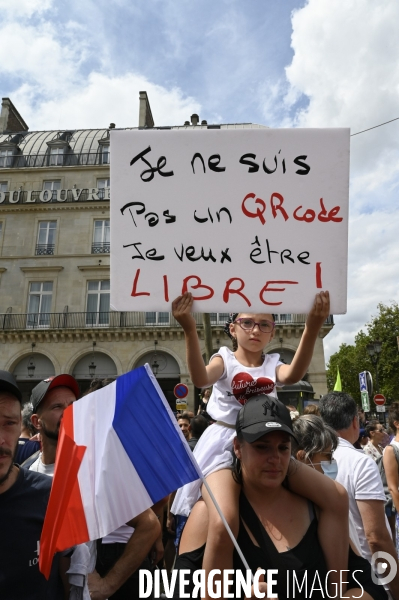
263 414
9 384
50 383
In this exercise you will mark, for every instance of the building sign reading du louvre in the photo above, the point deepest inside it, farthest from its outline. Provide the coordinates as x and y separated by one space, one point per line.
45 196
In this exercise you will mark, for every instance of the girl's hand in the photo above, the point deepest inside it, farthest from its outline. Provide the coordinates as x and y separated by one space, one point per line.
181 310
320 311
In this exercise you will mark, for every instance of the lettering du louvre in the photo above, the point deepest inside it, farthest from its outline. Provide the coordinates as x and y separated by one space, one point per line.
53 196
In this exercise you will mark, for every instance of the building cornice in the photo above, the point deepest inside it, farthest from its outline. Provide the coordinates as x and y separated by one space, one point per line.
93 267
7 208
41 269
106 334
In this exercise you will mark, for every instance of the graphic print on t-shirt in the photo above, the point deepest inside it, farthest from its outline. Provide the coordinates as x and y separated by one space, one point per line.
243 386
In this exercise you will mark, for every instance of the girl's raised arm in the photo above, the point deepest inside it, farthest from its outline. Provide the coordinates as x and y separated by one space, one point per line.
201 375
289 374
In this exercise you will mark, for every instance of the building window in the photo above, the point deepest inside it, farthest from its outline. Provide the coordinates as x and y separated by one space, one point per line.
102 185
283 318
157 318
52 186
100 243
56 157
218 318
6 158
46 238
39 304
97 311
105 150
3 186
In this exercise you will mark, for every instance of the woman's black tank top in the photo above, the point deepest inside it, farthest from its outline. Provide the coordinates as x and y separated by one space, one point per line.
306 561
301 570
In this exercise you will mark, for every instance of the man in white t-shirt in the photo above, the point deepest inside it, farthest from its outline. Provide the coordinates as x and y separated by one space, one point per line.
359 474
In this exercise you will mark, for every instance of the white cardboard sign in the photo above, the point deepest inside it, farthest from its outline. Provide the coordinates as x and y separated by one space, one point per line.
250 219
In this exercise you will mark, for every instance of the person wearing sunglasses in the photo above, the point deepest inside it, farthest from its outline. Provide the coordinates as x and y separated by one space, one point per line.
377 434
237 375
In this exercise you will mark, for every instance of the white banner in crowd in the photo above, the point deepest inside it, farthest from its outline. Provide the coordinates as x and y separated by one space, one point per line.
250 219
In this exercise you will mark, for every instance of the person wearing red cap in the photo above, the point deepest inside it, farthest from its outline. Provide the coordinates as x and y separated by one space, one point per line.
49 399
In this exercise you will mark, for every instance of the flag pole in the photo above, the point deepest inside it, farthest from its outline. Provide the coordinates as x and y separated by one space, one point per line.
225 523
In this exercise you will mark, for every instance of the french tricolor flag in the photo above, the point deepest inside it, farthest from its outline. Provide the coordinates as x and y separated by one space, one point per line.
120 450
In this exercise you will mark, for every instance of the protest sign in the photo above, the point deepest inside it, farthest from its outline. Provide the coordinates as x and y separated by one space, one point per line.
250 219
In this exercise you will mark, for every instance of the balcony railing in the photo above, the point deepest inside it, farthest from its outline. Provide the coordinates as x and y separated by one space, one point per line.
68 159
44 249
121 320
100 248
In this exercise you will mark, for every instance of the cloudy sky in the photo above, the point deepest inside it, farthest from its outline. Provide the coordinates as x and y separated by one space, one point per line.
282 63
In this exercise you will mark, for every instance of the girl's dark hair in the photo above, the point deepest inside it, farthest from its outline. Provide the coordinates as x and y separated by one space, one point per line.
393 415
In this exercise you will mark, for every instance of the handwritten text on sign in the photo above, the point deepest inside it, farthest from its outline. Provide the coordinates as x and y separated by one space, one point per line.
251 219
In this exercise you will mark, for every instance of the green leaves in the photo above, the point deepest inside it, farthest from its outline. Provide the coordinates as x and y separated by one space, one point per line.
352 359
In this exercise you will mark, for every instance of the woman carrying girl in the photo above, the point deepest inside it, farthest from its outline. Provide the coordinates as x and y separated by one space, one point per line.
236 376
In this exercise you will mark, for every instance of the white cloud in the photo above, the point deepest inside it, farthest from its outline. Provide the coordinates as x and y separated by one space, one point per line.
41 59
23 8
56 90
346 63
101 100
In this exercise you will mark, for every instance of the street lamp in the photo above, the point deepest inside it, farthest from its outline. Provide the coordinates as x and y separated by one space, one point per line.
155 364
92 365
31 363
374 351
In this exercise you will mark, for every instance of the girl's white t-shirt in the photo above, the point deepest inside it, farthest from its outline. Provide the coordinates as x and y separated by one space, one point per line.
239 383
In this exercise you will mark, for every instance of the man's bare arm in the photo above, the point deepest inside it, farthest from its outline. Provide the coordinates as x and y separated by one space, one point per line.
146 530
377 534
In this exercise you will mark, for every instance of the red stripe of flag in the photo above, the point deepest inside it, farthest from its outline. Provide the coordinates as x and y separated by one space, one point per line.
65 522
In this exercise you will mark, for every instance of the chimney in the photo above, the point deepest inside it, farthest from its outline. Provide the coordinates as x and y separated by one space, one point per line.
10 119
194 119
145 114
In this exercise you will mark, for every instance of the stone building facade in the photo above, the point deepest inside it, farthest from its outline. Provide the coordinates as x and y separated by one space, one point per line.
54 269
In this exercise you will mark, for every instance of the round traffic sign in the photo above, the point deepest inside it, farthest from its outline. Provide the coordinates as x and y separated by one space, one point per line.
379 399
180 390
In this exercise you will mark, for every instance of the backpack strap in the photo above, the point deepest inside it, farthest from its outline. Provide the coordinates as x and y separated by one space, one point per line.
30 460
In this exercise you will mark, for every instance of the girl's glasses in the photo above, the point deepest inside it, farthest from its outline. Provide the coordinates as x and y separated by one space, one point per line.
265 326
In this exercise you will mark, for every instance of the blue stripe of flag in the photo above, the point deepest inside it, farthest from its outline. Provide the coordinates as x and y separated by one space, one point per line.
149 437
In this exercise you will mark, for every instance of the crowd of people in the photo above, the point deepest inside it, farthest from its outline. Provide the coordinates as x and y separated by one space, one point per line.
313 496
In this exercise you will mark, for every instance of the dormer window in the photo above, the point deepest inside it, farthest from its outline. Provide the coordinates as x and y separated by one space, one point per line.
58 147
104 150
6 157
57 156
9 150
105 155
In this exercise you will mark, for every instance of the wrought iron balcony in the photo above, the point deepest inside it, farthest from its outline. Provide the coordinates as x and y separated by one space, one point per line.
44 249
120 320
100 248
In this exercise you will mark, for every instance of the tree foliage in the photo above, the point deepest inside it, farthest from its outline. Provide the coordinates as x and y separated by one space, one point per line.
352 359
